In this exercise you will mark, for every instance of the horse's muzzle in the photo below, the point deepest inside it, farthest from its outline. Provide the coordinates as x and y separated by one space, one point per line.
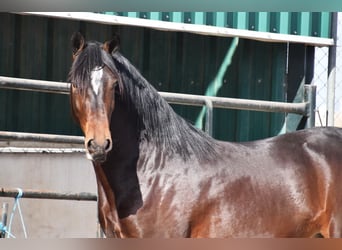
96 152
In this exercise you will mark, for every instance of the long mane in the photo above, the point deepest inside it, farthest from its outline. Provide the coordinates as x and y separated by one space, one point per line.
160 124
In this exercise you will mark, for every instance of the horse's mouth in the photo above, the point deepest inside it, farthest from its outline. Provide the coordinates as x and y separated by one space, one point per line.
97 157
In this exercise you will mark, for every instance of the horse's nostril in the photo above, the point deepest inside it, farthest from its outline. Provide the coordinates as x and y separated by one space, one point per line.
90 144
108 145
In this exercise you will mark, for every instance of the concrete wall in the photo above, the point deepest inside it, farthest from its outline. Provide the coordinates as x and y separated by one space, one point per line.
51 172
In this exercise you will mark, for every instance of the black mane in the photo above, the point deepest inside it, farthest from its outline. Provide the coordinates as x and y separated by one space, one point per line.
160 124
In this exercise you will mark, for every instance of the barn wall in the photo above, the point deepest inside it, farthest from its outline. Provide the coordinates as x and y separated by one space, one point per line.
39 48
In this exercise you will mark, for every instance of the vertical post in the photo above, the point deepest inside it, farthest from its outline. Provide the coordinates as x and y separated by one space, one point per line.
4 213
209 117
99 232
309 89
332 73
310 97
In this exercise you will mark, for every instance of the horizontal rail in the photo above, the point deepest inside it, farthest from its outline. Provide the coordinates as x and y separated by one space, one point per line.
19 136
235 103
35 150
37 194
34 85
175 98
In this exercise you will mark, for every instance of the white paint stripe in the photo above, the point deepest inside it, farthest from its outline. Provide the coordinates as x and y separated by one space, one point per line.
185 27
96 77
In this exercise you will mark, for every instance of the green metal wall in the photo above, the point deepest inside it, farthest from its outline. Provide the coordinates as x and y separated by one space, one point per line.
38 48
316 24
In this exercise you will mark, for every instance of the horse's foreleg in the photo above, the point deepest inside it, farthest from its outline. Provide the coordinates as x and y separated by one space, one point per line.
107 212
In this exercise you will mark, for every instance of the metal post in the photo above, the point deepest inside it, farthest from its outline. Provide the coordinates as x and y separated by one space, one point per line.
310 97
4 213
332 73
209 117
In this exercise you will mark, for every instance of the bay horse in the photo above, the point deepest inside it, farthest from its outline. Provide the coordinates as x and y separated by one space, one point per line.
159 176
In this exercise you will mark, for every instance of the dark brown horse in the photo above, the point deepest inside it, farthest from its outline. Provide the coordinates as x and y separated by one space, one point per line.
158 176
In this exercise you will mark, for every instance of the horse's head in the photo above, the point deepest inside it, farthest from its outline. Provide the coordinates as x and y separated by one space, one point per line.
93 78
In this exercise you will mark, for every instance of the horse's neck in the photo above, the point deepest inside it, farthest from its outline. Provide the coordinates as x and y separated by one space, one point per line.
120 167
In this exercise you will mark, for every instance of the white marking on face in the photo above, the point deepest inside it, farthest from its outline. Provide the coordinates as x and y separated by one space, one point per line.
96 76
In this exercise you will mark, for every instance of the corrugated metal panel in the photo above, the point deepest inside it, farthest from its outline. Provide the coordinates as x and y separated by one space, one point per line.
38 48
316 24
33 49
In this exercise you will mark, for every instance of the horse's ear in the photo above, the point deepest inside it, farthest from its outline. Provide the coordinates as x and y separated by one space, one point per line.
77 42
113 45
